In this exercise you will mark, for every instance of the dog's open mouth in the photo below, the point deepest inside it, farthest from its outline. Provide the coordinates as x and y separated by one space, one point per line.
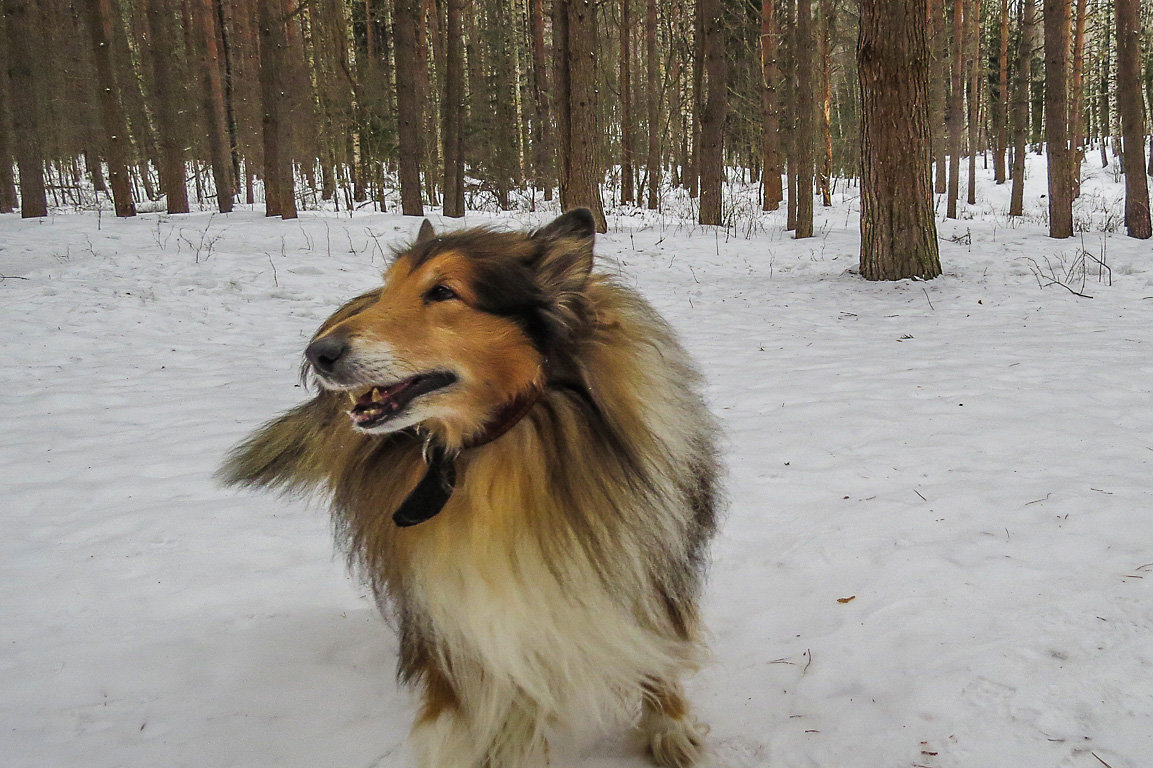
380 403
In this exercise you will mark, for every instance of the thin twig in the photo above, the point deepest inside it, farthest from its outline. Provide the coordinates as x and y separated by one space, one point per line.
273 265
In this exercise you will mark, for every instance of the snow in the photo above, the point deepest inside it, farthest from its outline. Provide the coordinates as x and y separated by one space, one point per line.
937 552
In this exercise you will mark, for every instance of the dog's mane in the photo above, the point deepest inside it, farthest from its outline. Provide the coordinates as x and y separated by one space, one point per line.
619 433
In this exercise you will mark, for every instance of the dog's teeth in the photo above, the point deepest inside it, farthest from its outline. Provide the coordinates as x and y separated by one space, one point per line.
376 396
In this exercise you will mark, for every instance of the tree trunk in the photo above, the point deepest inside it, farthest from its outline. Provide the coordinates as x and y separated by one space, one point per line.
168 100
545 176
694 173
212 99
409 103
119 152
1001 105
653 162
956 116
453 112
898 230
713 115
279 196
804 141
828 32
1077 99
974 67
426 37
1103 120
1057 117
574 42
27 128
8 200
771 191
937 81
628 193
1021 106
1129 104
225 51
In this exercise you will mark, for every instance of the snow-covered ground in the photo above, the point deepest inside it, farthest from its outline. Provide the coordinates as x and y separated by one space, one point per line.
938 551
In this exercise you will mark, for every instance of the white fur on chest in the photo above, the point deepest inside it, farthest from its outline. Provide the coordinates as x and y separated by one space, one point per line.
508 629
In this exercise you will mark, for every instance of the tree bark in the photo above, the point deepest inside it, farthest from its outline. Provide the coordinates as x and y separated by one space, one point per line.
545 175
1021 105
8 199
1077 105
804 142
279 195
225 52
1103 121
1129 104
1001 105
27 128
653 162
694 172
956 116
628 192
828 28
771 190
937 82
713 115
898 230
409 103
213 101
1057 117
974 67
574 42
453 112
168 99
119 151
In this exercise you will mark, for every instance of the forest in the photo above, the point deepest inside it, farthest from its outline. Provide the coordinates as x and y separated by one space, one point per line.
498 104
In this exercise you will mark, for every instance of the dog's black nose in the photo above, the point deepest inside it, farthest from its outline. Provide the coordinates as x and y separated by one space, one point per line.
325 352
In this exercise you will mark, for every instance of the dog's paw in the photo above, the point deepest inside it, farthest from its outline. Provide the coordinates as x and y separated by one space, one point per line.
675 743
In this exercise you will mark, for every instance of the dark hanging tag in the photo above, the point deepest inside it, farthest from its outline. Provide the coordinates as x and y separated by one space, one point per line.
430 495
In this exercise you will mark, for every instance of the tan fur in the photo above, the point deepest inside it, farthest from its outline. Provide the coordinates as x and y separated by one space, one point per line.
560 581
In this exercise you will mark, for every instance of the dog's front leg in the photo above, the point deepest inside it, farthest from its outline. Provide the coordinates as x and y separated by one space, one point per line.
490 731
674 737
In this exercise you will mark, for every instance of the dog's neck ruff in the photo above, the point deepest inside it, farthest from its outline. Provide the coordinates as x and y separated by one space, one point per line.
428 498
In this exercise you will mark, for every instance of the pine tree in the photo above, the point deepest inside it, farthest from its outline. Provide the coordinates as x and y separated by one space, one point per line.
118 143
453 111
898 229
1021 104
1129 104
1057 117
713 113
574 40
409 103
27 128
168 99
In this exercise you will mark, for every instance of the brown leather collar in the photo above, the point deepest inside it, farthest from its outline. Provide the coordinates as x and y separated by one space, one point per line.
506 418
428 498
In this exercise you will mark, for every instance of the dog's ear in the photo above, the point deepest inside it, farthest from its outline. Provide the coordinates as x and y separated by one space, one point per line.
578 223
426 232
565 258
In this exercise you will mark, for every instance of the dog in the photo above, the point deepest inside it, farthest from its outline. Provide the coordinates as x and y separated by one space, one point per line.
520 464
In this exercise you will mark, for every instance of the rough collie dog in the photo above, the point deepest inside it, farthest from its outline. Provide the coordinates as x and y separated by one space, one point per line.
520 464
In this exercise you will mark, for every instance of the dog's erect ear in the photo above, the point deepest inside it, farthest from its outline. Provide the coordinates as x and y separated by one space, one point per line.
578 223
426 232
566 255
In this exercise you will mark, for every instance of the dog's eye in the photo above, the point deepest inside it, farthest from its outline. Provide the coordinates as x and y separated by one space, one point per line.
440 293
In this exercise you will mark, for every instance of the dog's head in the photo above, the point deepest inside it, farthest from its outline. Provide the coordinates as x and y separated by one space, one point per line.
465 324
